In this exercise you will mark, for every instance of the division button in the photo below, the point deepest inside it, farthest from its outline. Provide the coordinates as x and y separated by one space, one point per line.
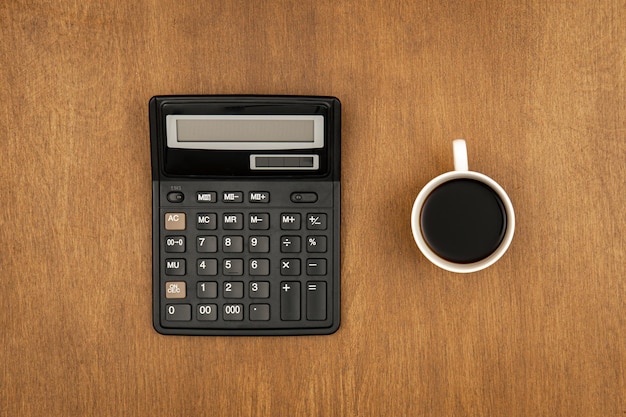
316 300
303 197
175 197
290 244
290 300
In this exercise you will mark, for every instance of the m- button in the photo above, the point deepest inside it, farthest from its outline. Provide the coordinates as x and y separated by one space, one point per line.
174 221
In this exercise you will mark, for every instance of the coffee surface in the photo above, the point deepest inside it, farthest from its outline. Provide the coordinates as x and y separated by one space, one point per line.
463 220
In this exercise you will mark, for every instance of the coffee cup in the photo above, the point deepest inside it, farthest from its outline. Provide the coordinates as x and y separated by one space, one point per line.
462 221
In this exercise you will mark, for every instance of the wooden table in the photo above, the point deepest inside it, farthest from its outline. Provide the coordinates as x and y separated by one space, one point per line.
536 88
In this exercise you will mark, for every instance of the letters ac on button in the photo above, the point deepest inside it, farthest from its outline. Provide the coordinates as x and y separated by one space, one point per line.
303 197
175 221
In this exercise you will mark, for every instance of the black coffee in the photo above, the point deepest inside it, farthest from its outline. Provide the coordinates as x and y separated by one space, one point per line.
463 220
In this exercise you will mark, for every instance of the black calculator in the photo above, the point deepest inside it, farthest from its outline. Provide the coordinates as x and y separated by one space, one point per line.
245 214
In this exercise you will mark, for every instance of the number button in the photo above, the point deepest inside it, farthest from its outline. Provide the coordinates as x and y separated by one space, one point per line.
233 312
206 244
259 289
207 312
207 289
233 289
259 244
233 266
259 266
207 266
174 244
178 312
232 244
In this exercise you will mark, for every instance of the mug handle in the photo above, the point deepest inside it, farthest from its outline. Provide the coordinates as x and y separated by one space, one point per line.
459 150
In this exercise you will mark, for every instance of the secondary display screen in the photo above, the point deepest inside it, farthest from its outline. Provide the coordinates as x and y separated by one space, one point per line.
245 132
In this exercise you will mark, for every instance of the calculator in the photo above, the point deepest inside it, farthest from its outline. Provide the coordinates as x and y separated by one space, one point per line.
245 214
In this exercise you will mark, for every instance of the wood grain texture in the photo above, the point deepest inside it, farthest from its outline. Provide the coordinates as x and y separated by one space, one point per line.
536 88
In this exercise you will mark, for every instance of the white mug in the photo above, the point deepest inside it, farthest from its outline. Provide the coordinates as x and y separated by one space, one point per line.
461 171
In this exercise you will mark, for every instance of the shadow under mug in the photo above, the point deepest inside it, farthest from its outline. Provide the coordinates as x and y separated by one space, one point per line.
462 208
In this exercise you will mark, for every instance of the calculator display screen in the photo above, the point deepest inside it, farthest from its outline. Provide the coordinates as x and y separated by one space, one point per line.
245 132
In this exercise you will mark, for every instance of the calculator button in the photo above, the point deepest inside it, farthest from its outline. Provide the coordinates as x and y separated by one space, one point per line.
316 221
206 221
316 266
207 266
259 289
290 244
178 312
174 267
290 221
259 197
316 244
290 267
290 300
233 312
175 197
316 300
233 221
259 267
232 197
207 290
206 244
259 244
232 244
303 197
259 221
175 221
174 244
175 289
233 289
206 197
207 312
233 266
259 312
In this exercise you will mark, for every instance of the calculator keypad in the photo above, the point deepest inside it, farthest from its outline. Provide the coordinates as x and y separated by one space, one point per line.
241 259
